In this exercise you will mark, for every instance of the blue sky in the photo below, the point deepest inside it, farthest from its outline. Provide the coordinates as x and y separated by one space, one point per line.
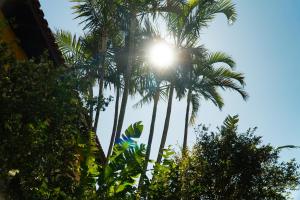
264 42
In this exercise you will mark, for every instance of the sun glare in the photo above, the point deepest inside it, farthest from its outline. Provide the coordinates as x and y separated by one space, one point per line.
161 55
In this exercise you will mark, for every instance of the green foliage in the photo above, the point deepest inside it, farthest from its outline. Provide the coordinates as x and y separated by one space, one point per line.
118 179
134 131
47 148
165 183
195 15
88 167
226 165
42 125
81 57
227 160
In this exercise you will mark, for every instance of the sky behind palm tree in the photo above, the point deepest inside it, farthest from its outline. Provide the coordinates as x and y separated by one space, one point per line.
264 42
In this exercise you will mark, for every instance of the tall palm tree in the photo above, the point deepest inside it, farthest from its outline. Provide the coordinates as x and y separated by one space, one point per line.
134 13
204 80
152 84
133 9
102 16
117 59
154 91
185 27
99 19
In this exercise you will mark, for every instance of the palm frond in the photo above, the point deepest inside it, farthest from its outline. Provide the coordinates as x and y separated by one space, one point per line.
95 14
225 79
220 57
209 92
196 15
195 103
87 11
228 9
207 10
149 30
231 123
287 147
145 100
70 46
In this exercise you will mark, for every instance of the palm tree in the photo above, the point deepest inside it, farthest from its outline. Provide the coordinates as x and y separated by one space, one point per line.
78 53
79 56
151 83
133 15
99 19
103 16
116 55
185 27
204 80
155 90
131 19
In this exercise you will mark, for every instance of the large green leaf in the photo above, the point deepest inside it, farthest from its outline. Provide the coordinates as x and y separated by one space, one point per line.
135 130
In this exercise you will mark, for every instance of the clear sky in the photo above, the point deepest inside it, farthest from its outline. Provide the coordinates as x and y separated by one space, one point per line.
264 42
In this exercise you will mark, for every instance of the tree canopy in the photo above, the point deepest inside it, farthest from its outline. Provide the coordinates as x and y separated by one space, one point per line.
226 164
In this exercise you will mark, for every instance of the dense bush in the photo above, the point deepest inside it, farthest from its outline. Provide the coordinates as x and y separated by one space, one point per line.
226 165
43 130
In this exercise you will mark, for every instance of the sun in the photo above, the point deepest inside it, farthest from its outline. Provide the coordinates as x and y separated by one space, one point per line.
161 55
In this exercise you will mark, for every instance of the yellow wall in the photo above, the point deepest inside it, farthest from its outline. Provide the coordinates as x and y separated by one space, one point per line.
9 37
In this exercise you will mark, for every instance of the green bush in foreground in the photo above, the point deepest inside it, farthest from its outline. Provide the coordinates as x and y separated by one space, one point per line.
43 130
226 165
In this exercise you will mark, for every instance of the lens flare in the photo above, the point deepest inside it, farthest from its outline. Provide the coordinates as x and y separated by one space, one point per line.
161 55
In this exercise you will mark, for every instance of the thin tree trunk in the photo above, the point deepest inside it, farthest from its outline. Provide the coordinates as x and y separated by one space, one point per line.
150 138
122 110
113 134
91 106
127 76
99 105
186 127
166 125
188 102
102 49
101 155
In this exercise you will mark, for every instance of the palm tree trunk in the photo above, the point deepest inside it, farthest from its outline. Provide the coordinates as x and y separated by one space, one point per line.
186 121
102 50
91 106
150 138
122 110
127 77
166 125
101 155
99 105
113 134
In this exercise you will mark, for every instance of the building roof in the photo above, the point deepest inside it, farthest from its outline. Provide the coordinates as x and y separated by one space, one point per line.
26 19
